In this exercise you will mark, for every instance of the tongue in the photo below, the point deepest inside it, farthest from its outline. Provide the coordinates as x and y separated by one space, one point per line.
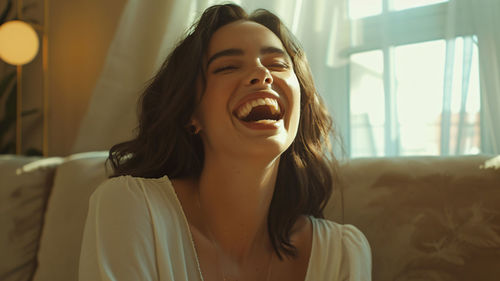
260 112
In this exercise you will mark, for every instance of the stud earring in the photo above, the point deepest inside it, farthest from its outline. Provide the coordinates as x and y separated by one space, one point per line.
193 128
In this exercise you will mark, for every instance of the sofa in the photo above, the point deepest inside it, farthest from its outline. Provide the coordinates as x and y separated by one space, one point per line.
426 218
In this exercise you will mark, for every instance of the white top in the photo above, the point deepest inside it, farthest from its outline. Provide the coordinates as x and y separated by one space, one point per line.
136 230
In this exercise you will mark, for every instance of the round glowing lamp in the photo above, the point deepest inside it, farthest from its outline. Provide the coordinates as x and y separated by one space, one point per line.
18 42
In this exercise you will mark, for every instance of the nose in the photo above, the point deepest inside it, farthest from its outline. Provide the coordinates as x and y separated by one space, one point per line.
260 75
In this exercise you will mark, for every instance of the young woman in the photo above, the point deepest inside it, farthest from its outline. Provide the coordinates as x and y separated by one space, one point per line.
230 170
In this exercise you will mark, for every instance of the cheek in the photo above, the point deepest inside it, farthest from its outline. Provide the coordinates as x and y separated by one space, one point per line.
296 96
294 86
209 109
214 103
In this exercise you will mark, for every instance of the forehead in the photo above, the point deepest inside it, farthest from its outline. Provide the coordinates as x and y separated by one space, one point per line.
243 35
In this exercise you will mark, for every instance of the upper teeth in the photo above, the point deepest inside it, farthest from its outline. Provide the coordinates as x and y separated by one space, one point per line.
245 109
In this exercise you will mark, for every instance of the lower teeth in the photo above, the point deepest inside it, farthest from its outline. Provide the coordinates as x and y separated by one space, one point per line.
265 121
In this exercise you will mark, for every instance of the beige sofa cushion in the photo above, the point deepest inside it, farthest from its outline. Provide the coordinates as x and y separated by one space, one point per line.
25 184
426 218
74 182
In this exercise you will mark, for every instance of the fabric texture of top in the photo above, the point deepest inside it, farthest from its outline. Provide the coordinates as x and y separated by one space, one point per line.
136 230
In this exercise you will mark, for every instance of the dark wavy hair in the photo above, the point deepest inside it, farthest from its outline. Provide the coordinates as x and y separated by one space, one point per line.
165 145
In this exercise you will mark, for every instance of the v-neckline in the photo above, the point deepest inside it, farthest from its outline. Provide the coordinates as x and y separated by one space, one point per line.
193 245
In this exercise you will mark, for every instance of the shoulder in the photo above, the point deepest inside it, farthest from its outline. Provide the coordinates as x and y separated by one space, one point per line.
356 255
116 195
356 247
348 234
119 230
348 245
127 186
125 192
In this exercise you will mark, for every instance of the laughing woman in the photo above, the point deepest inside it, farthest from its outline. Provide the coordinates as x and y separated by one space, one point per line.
230 171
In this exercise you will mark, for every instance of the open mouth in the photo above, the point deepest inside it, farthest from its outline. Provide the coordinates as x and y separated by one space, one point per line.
259 110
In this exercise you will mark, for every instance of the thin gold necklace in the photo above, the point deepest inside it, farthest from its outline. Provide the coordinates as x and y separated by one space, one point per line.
217 250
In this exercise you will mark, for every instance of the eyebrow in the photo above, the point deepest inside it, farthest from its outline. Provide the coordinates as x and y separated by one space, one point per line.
240 52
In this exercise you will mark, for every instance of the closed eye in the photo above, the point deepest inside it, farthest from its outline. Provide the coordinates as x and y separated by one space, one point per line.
224 68
279 66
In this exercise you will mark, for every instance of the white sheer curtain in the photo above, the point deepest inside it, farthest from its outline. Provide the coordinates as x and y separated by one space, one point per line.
145 31
148 30
482 18
478 18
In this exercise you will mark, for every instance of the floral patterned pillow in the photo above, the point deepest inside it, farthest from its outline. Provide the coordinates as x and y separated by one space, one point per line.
426 218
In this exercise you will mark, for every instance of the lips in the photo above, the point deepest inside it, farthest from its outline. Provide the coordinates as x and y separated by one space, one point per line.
259 108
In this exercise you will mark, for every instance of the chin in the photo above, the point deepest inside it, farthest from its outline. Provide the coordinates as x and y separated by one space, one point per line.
267 149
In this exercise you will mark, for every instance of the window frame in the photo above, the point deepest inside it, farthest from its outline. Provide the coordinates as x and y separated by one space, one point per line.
391 29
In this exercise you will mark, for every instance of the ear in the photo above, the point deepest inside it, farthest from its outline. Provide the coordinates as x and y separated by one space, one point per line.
194 126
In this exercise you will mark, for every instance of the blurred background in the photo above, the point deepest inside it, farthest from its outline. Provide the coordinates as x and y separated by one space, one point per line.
400 77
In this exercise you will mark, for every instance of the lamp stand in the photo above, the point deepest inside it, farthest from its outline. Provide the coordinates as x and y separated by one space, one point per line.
45 72
19 106
44 29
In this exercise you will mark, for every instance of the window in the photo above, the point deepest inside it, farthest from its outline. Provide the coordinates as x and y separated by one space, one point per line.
362 8
411 91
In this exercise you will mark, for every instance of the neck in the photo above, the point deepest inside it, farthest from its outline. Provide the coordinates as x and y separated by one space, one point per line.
235 197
